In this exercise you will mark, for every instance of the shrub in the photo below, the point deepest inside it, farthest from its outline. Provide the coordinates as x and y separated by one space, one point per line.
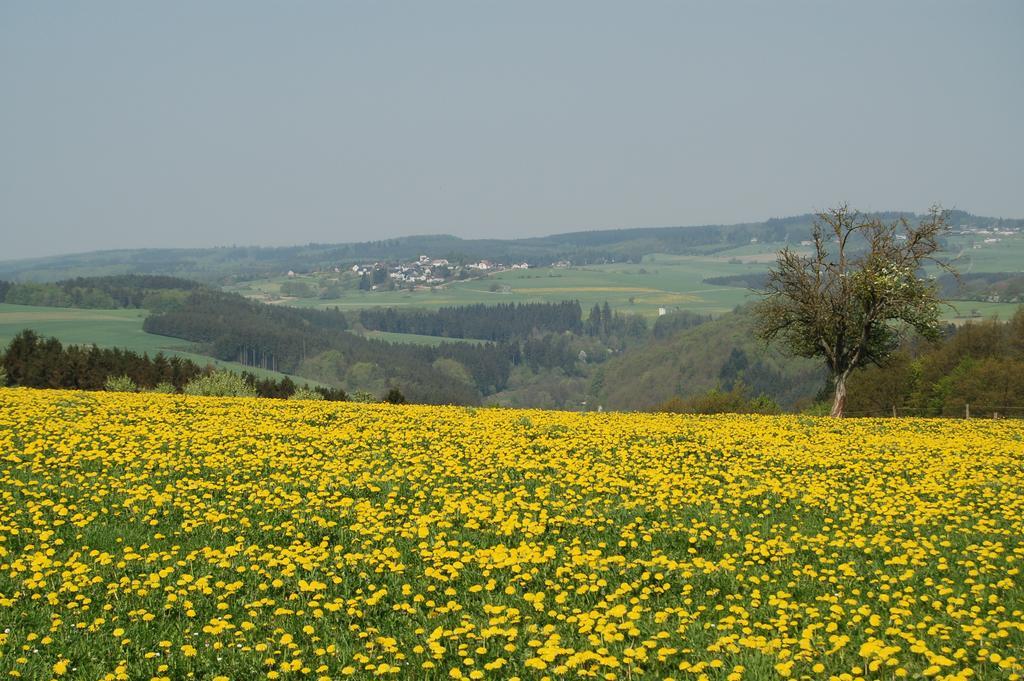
164 387
220 384
362 396
305 394
735 401
3 377
817 409
395 396
331 394
120 384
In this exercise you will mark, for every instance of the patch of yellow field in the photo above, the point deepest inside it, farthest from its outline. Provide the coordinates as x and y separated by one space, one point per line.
158 536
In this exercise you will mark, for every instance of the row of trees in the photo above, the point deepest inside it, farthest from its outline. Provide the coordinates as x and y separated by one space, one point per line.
602 322
37 362
516 321
34 361
120 291
502 322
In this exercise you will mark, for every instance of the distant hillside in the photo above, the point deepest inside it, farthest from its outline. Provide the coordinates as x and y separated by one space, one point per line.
712 355
220 265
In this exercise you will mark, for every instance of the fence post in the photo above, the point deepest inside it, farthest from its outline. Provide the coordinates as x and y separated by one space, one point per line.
967 410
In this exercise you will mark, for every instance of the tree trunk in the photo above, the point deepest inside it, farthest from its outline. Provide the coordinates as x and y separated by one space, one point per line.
839 400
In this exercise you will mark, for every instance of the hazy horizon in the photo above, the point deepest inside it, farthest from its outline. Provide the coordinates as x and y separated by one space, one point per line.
384 237
191 125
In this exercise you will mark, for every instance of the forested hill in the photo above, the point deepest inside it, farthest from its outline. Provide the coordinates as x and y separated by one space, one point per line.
243 262
712 355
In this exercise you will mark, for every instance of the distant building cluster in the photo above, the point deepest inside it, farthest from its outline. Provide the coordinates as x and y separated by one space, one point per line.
989 235
428 271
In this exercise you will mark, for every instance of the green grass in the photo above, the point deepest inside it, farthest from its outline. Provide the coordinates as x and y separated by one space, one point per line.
108 329
671 282
1006 255
964 310
416 339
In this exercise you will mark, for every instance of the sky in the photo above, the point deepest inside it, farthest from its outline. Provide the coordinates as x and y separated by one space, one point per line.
191 124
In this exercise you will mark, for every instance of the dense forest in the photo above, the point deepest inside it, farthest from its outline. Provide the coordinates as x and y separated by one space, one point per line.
512 321
502 322
696 358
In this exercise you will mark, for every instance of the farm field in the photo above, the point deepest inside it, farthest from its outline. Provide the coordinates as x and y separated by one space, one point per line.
673 282
960 311
975 255
175 537
637 288
106 328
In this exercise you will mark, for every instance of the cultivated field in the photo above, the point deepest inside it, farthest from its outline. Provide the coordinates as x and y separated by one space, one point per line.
161 536
673 282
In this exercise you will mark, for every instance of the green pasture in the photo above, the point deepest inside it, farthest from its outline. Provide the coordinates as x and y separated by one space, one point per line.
415 339
972 254
271 286
106 328
960 311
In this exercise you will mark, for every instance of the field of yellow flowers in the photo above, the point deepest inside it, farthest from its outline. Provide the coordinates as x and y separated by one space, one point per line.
172 537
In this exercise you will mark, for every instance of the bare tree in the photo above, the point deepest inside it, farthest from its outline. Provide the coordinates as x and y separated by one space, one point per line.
849 300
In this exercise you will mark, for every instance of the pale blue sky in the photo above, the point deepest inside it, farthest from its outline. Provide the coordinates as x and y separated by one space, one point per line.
128 124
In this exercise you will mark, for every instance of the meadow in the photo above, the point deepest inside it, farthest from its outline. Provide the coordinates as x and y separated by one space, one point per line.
108 329
972 254
151 536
